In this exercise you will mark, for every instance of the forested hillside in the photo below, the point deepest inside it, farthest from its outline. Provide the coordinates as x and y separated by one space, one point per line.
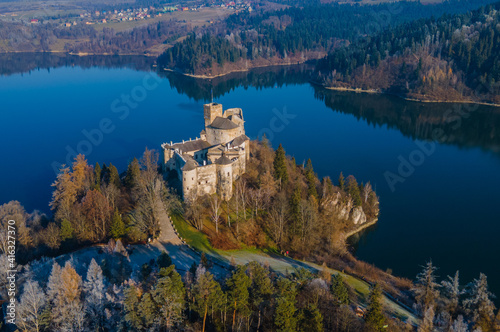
293 35
18 37
451 58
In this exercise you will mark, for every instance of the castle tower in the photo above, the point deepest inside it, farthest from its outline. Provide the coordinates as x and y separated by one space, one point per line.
224 177
211 111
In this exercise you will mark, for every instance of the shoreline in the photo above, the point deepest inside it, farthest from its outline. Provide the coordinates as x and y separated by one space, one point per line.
375 91
356 90
80 54
209 77
361 228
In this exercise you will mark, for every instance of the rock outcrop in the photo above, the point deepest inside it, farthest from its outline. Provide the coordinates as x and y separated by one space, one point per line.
358 216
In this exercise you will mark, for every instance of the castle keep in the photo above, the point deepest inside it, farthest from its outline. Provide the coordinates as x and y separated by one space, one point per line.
210 164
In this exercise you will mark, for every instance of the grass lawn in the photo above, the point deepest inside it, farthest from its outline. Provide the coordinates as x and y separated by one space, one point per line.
191 235
278 263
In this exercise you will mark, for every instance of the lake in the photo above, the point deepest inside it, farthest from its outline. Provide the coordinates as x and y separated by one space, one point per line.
436 167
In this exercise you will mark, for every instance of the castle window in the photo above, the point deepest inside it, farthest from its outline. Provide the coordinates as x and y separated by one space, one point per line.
227 173
192 179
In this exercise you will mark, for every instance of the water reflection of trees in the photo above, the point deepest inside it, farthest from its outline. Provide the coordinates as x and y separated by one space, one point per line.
14 63
260 78
463 125
477 128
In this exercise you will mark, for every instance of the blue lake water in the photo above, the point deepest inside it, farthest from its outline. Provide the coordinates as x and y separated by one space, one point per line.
446 210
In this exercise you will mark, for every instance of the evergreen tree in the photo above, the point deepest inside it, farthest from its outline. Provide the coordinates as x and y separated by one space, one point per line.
339 290
311 180
207 294
375 318
114 176
148 311
327 186
353 190
238 295
426 289
117 228
261 289
97 177
66 232
133 174
285 318
280 170
341 181
169 294
480 305
131 305
163 260
310 319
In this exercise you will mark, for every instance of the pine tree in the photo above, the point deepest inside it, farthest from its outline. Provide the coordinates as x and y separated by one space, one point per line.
311 180
479 303
97 177
353 190
93 288
280 170
327 186
426 289
131 305
341 181
169 294
238 295
117 228
163 260
285 318
66 231
207 294
339 290
148 310
375 318
261 289
133 173
114 176
310 319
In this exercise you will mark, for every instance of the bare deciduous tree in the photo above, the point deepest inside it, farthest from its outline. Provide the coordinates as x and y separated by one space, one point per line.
31 306
215 210
278 218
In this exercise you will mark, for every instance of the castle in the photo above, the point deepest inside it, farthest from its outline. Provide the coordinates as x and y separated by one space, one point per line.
210 164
